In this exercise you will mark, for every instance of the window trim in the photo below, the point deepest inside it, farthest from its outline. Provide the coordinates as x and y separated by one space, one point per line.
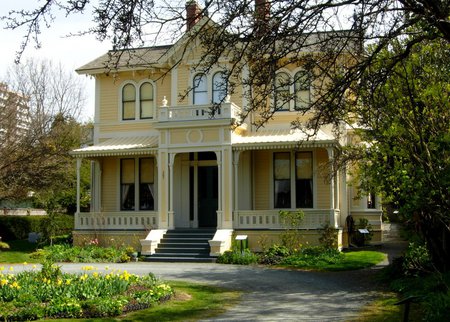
142 100
123 101
292 104
214 89
195 91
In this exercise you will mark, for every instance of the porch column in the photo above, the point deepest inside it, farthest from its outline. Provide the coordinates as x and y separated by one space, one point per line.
171 217
236 155
163 189
219 189
332 186
78 184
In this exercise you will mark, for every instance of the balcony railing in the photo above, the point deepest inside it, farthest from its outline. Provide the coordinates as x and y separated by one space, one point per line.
132 220
270 219
197 112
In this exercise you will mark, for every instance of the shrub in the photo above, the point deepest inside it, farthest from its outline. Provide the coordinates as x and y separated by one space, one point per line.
328 238
274 255
417 260
290 221
245 257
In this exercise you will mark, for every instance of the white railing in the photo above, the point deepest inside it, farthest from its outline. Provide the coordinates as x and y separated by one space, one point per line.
270 219
144 220
197 112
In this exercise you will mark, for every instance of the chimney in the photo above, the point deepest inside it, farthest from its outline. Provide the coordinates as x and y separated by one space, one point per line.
262 10
193 14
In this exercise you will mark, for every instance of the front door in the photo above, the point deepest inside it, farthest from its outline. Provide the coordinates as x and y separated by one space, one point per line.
207 196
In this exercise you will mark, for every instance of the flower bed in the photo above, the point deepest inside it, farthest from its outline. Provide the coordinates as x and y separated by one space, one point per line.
49 293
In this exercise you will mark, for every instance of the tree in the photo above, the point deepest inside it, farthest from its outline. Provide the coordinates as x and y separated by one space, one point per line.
406 122
36 158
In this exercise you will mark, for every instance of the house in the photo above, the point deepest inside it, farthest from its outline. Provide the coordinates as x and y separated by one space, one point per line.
163 161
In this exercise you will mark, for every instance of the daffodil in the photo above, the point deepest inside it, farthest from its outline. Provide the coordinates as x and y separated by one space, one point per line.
3 282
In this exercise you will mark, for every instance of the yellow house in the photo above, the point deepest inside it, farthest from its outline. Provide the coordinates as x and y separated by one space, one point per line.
163 161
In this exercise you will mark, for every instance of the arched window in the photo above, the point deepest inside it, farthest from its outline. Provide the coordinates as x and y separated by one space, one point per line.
219 87
282 97
302 90
146 100
200 90
128 102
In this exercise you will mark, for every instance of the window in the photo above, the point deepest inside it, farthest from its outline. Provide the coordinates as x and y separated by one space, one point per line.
371 201
146 184
282 93
298 177
200 90
282 180
146 100
129 196
128 102
127 193
219 87
303 180
302 86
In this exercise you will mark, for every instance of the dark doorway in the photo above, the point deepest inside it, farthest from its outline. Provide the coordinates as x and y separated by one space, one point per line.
207 196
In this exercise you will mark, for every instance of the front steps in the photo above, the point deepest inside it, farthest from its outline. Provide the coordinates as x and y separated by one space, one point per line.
184 245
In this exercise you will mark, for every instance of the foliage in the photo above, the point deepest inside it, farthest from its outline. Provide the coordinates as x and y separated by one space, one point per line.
329 236
19 252
235 256
84 254
274 255
36 164
407 119
31 295
290 221
18 227
417 260
3 245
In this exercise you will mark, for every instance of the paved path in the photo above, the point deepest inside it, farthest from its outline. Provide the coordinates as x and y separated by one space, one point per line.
271 294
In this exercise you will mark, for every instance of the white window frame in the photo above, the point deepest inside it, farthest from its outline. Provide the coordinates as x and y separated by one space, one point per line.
137 87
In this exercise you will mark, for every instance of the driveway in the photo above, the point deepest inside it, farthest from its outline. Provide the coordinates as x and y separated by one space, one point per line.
273 294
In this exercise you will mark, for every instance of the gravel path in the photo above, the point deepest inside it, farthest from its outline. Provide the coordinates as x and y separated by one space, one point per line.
273 294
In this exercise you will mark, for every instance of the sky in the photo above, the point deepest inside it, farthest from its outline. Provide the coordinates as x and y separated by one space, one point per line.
71 52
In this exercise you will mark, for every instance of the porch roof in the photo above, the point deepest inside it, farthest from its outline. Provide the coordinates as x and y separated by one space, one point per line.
120 147
281 139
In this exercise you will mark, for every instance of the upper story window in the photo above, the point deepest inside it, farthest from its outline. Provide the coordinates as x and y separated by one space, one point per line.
282 85
292 94
128 102
219 87
146 100
302 90
200 90
138 101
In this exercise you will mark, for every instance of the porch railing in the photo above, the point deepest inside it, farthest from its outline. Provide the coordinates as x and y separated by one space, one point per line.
132 220
197 112
270 219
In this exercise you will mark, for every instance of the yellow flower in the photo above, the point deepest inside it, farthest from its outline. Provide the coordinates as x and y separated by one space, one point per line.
95 274
15 285
68 281
25 263
83 277
11 268
3 282
2 268
59 282
34 266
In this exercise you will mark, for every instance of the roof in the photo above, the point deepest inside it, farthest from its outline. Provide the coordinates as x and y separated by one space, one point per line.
134 58
270 139
120 146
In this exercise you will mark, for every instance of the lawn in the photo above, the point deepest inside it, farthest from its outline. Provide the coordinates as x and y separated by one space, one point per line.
19 252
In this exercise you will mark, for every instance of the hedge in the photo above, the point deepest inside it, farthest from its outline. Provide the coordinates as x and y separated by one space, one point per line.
18 227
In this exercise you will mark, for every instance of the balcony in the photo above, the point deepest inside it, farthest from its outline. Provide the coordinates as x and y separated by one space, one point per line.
198 112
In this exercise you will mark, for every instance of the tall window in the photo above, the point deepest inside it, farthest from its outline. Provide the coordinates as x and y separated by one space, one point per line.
303 180
200 90
128 102
146 100
371 201
146 184
219 87
127 188
282 97
282 180
302 90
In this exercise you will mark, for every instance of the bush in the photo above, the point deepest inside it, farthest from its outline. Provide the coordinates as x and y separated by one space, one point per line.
328 238
245 257
274 255
85 254
417 260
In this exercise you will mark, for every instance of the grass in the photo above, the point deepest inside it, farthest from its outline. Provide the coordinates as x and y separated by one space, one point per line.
192 302
346 262
19 252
